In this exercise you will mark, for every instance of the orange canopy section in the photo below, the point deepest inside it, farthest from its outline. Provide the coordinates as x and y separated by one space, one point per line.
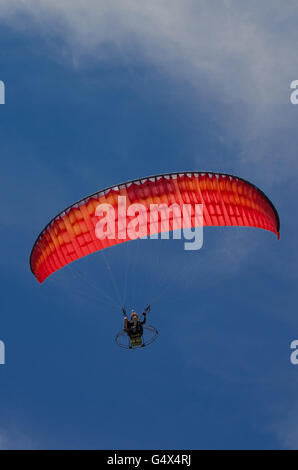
227 201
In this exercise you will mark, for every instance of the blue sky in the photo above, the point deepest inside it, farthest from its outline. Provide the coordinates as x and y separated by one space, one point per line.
107 92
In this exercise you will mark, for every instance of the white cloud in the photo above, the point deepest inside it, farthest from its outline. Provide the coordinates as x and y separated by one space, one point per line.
3 440
240 57
286 430
246 49
14 439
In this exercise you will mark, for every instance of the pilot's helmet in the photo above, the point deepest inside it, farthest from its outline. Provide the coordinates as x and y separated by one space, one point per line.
133 314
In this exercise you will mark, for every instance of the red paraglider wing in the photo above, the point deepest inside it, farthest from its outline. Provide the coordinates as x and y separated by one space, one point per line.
227 201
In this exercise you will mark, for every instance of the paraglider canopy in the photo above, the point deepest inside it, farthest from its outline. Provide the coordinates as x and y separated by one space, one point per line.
227 200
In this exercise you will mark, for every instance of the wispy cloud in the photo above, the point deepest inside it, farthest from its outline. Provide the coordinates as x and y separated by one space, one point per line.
286 430
239 55
10 440
3 440
237 45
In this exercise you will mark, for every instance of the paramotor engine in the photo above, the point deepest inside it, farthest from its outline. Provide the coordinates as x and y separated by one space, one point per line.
149 335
